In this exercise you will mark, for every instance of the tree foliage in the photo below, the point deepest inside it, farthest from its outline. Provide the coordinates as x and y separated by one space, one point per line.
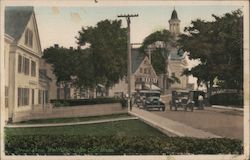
218 46
160 54
108 48
62 62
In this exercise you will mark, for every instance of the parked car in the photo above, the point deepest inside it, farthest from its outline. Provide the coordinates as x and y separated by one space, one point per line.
181 99
154 102
186 99
149 99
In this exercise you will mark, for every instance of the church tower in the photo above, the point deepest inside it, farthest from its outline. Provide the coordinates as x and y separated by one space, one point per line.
174 24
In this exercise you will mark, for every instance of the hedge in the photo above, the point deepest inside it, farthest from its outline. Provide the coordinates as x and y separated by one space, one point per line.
227 99
77 102
117 145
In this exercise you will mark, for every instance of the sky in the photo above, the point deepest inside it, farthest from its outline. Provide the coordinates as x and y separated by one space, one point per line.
60 25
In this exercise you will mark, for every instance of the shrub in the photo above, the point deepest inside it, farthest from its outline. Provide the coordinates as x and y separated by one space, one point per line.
227 99
77 102
117 145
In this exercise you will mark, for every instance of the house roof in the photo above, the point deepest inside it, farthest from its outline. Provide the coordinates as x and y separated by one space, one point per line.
16 19
136 58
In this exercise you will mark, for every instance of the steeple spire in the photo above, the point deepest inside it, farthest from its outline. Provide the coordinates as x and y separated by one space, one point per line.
174 23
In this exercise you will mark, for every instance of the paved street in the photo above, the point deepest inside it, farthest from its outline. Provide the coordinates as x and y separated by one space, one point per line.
170 127
225 123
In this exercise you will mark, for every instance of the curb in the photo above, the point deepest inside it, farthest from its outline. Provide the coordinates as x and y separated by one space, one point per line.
69 124
228 108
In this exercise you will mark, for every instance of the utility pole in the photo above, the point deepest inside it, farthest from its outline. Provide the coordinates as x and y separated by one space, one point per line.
128 16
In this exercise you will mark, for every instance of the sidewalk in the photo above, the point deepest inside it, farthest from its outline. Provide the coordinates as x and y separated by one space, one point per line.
67 124
170 127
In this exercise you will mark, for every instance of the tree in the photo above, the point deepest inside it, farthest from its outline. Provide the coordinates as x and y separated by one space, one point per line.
108 51
218 46
63 63
159 56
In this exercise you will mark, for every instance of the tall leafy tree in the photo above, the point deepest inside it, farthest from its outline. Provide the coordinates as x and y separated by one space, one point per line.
159 55
108 48
218 46
63 63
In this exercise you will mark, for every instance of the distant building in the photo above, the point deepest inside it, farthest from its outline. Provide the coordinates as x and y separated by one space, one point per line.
25 91
177 60
143 75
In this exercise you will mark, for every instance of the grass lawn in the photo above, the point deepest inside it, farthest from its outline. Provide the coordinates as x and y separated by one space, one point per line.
74 119
111 138
123 128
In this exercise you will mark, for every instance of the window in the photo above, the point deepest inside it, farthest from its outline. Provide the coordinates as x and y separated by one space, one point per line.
46 96
58 93
173 74
39 96
20 61
33 68
32 96
23 96
26 66
141 70
145 70
6 96
29 38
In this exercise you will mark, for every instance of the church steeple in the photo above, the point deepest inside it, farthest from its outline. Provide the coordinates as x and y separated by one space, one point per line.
174 23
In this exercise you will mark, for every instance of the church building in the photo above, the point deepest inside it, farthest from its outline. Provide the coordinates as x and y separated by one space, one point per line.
177 62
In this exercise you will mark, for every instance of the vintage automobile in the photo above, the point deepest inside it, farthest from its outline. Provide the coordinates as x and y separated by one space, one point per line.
153 102
149 99
186 99
181 99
